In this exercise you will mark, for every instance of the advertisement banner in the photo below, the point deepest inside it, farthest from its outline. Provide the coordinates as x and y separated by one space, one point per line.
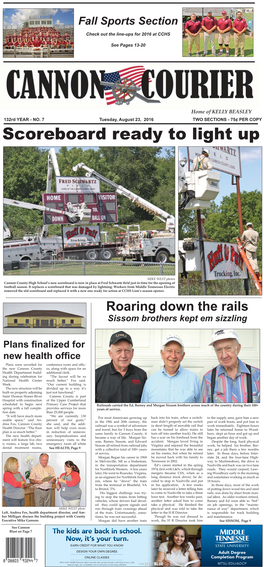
100 545
77 185
80 235
223 261
232 545
223 158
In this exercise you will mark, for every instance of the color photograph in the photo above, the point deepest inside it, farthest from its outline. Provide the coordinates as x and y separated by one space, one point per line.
218 32
220 220
41 318
43 480
38 32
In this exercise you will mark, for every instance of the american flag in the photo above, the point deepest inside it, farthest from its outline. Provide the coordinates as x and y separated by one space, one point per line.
132 73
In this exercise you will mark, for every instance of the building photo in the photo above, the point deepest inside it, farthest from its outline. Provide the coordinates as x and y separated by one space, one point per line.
23 318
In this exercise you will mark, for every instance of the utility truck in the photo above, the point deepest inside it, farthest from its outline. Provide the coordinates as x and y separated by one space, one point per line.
154 245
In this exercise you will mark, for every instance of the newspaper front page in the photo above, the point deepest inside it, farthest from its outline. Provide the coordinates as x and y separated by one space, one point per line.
131 290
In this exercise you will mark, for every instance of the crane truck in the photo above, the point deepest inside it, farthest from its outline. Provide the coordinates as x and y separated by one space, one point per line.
38 246
155 245
33 246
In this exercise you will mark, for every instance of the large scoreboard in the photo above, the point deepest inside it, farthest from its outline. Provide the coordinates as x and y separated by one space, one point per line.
103 206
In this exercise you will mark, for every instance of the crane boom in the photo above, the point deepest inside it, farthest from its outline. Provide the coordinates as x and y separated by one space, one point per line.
139 201
24 205
72 216
52 163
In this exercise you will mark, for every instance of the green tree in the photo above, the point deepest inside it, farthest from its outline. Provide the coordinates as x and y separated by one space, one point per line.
187 224
223 224
222 221
24 179
165 196
135 168
25 173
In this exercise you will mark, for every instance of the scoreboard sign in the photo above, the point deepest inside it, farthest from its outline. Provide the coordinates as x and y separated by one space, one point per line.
222 158
77 185
103 206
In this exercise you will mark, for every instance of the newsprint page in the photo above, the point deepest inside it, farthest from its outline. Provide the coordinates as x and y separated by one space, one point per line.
132 311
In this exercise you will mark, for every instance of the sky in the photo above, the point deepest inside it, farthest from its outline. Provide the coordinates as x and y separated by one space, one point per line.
251 165
96 148
17 16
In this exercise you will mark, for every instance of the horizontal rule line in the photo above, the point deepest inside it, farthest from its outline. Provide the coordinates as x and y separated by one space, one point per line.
66 61
134 123
135 3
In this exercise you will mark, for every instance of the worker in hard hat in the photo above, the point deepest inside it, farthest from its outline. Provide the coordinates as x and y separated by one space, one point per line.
204 235
202 162
250 238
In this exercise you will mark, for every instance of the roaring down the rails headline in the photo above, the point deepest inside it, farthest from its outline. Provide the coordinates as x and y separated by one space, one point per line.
164 83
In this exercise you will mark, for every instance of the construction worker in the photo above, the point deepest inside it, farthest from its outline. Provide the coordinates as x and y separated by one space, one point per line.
202 162
204 235
250 237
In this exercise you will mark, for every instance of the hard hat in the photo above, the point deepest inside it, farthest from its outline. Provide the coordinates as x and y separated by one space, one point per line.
205 151
202 217
249 224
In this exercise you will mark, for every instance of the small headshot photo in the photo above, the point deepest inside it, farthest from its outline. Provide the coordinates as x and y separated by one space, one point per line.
38 32
225 31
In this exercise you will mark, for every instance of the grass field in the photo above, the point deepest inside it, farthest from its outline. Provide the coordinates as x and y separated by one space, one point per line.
248 49
193 286
94 269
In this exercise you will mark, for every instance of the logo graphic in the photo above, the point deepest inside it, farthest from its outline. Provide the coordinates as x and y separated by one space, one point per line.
124 85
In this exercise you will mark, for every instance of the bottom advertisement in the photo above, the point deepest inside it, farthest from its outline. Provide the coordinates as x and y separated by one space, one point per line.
232 545
138 546
99 545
